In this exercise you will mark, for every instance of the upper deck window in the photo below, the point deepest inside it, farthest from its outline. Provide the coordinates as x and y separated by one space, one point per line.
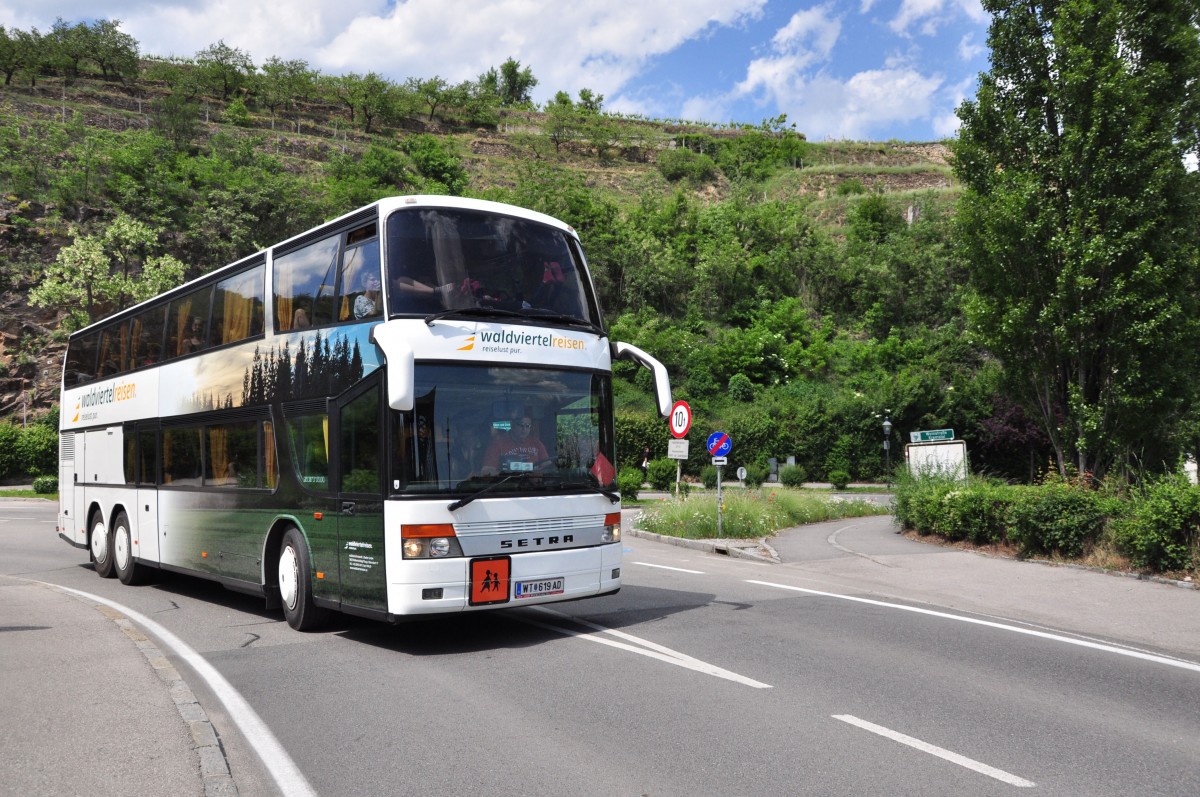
329 281
448 259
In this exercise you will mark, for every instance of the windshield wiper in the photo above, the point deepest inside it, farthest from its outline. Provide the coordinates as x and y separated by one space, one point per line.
612 496
460 503
493 312
472 311
562 318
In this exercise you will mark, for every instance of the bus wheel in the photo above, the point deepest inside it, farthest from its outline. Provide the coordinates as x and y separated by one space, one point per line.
129 571
102 547
295 584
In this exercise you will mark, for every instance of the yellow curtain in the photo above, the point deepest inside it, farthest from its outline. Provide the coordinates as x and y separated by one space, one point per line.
270 466
238 310
124 361
182 315
284 305
218 452
137 354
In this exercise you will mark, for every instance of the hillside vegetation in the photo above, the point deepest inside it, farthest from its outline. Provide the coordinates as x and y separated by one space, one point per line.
799 292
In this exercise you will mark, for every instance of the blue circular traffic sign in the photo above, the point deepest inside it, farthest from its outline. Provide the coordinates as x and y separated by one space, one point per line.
719 444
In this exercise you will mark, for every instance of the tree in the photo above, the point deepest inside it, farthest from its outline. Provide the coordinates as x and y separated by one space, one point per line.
282 83
224 69
431 92
1079 220
100 274
516 84
116 53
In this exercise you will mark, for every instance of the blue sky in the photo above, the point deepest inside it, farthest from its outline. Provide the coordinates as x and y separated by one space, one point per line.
867 70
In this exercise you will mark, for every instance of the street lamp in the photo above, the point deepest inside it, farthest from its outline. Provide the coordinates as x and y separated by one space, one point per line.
887 450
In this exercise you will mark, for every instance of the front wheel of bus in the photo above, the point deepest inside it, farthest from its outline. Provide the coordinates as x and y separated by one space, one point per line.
102 547
295 584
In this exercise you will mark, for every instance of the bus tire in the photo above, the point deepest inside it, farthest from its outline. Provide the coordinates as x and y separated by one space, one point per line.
101 544
295 584
128 571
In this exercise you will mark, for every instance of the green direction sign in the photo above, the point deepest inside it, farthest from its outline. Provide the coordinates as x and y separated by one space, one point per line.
931 436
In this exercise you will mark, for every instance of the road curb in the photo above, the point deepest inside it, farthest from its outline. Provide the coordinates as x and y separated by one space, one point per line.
214 766
757 550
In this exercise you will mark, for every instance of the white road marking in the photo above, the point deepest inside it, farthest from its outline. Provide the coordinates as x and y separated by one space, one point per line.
947 755
665 567
1155 658
642 647
287 775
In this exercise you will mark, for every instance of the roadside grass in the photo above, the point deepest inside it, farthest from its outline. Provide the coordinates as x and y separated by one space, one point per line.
27 494
749 514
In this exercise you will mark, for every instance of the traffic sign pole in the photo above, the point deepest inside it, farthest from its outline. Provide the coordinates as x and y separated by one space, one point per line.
719 444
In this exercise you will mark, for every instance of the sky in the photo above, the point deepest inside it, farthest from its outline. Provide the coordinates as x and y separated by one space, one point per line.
863 70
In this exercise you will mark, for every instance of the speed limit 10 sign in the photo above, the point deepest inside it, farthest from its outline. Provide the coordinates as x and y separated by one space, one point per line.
681 419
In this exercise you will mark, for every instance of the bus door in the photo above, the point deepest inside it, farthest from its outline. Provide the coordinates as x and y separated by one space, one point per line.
358 424
74 499
147 451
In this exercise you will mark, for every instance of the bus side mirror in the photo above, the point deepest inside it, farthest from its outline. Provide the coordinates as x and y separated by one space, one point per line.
401 366
662 383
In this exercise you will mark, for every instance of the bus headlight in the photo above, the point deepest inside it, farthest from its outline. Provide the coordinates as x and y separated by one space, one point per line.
612 527
429 541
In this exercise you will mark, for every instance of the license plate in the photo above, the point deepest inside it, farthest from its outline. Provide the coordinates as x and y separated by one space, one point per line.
539 588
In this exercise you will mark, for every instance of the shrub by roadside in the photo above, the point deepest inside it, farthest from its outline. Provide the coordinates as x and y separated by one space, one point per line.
749 513
1156 526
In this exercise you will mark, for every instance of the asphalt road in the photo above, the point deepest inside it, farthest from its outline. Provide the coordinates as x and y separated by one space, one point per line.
864 663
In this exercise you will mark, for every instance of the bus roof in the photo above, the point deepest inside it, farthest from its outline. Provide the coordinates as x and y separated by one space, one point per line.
385 206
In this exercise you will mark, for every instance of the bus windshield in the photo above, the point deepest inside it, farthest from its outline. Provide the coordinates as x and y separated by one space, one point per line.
448 259
513 429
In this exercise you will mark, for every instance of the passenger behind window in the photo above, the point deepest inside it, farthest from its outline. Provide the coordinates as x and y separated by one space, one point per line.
369 302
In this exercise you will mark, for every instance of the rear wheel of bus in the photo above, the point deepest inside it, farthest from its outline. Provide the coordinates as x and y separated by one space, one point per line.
128 570
102 546
295 584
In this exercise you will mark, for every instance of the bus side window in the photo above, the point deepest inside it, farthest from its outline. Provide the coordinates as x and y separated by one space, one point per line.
81 359
309 436
304 289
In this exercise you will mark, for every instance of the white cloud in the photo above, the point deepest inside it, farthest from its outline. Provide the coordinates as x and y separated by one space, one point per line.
599 44
969 49
929 15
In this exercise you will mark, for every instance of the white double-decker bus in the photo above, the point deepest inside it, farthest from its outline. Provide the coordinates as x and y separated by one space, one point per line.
407 410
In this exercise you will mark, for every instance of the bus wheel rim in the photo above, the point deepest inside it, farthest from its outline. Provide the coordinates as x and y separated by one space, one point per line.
99 543
289 576
121 546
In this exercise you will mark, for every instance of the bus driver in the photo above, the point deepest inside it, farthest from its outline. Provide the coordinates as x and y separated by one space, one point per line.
519 449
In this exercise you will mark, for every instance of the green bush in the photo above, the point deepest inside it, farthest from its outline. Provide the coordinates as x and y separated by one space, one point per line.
45 484
919 502
755 475
661 473
1055 518
708 476
629 482
792 476
839 478
9 461
37 451
1160 529
977 513
683 164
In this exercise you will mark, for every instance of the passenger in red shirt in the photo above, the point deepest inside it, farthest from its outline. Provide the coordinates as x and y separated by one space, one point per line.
517 450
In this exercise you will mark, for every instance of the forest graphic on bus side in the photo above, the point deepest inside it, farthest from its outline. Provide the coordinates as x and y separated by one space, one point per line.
320 367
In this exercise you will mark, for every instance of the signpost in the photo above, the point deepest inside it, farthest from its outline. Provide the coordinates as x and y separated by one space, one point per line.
931 436
681 419
719 444
677 449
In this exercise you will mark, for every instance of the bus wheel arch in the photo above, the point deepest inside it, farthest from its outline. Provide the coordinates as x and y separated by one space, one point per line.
294 577
100 543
